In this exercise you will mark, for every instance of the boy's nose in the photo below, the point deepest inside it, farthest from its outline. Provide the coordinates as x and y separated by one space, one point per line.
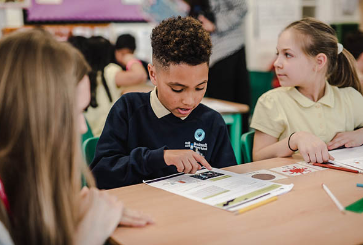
188 100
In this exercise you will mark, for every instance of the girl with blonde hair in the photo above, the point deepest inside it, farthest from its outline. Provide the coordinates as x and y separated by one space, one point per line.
43 91
317 109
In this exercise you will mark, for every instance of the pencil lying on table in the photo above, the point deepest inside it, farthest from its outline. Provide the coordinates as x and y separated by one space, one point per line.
324 165
258 204
335 200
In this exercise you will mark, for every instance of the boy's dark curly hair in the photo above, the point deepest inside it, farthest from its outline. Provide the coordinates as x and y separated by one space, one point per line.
180 40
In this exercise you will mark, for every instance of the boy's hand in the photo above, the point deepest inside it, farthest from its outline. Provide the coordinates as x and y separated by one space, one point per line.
185 160
347 139
311 147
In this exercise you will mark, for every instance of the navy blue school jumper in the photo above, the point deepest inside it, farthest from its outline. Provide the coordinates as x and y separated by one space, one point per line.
131 146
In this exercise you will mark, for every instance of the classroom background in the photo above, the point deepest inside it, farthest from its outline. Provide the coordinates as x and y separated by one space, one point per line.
263 22
306 215
111 18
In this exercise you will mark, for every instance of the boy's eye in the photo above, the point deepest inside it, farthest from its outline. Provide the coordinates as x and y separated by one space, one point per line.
199 89
288 55
177 90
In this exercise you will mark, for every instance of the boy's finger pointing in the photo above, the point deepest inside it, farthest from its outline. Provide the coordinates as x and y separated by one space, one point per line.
202 161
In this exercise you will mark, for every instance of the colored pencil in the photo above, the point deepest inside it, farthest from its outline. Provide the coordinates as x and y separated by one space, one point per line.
335 200
359 185
324 165
258 204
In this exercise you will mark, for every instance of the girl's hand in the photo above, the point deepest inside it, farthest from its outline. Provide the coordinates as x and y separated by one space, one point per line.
101 213
347 139
312 148
134 218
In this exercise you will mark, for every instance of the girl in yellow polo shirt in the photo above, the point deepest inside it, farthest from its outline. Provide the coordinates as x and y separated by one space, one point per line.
318 106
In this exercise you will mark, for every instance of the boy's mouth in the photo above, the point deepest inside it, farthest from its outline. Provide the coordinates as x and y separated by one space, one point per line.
184 111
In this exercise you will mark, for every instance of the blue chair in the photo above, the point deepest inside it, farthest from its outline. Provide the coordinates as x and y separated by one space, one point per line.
247 146
235 121
89 149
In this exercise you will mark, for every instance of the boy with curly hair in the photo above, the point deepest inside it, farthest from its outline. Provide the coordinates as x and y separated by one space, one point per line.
155 134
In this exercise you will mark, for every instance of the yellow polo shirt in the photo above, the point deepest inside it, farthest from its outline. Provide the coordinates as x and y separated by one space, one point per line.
96 117
282 111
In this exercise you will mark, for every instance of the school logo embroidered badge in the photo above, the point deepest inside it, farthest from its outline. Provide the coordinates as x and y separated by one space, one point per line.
199 134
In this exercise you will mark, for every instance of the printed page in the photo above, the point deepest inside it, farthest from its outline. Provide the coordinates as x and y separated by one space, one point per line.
347 153
294 169
351 157
220 188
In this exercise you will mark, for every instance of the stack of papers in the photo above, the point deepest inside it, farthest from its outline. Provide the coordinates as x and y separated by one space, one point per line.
220 188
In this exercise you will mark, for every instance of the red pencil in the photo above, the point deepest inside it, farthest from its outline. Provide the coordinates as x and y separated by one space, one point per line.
337 168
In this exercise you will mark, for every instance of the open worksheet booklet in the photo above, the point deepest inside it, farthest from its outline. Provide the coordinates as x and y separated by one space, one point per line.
349 158
220 188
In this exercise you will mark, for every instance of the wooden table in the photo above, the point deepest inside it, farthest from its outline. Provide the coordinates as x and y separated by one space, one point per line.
231 117
305 215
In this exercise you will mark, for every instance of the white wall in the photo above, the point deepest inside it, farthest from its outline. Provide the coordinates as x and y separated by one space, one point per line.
10 17
337 11
2 20
267 18
264 21
13 17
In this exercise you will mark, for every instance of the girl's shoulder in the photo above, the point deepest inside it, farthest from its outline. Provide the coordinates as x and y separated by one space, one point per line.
112 67
280 93
346 90
348 93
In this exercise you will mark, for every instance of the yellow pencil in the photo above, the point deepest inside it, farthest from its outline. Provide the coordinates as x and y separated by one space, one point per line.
242 210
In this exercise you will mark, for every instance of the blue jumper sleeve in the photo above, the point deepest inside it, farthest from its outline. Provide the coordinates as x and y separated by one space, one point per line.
115 164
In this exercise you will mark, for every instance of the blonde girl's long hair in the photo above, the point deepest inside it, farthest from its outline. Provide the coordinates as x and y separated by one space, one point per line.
40 159
317 37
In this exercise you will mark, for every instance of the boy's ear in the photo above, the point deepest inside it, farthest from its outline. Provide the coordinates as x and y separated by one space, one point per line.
152 73
321 61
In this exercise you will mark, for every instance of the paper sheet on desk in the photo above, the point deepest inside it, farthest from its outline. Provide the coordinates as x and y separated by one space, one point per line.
352 157
220 188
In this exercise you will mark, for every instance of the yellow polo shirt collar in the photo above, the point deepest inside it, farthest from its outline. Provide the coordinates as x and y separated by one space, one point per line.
327 99
158 108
